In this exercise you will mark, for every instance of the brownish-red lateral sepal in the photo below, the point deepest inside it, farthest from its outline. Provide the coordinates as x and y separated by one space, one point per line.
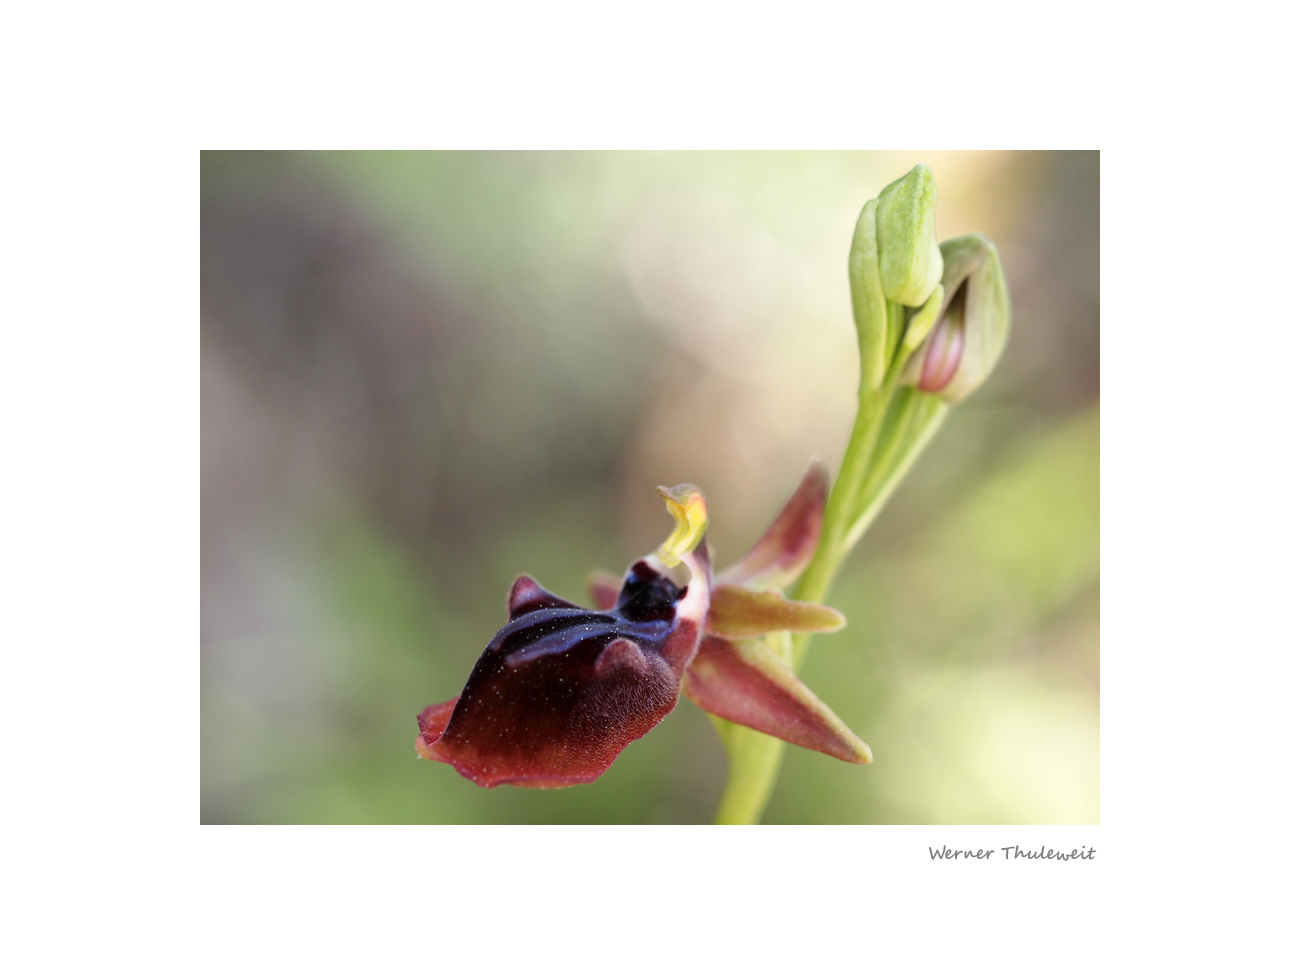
747 683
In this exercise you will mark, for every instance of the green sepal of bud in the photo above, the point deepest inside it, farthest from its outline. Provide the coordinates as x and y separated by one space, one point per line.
911 264
868 298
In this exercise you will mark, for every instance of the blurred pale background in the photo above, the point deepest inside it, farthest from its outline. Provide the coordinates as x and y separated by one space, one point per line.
423 374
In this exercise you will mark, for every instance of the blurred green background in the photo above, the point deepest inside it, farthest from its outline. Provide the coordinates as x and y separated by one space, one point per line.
423 374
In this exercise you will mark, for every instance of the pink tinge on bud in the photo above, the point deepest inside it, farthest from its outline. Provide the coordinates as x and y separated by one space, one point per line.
942 356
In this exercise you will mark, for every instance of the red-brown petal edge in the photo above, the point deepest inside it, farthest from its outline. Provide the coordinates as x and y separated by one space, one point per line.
749 684
737 613
787 546
433 722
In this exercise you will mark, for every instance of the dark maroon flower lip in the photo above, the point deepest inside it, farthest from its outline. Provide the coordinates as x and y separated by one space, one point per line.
561 690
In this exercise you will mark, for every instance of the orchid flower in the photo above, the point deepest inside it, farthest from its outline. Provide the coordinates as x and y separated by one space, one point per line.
562 689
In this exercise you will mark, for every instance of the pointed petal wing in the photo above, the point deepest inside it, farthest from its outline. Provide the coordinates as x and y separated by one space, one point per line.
737 613
527 595
787 546
749 684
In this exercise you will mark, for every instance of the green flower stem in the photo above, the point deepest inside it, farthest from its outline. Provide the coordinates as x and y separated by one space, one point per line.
754 759
914 418
892 431
817 578
856 472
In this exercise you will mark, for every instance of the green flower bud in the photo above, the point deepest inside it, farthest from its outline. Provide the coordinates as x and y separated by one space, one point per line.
868 298
971 332
910 263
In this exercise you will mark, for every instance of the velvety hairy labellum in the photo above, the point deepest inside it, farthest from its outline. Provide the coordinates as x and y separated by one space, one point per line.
561 690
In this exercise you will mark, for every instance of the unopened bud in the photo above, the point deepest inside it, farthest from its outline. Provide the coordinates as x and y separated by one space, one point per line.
868 298
910 262
965 344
